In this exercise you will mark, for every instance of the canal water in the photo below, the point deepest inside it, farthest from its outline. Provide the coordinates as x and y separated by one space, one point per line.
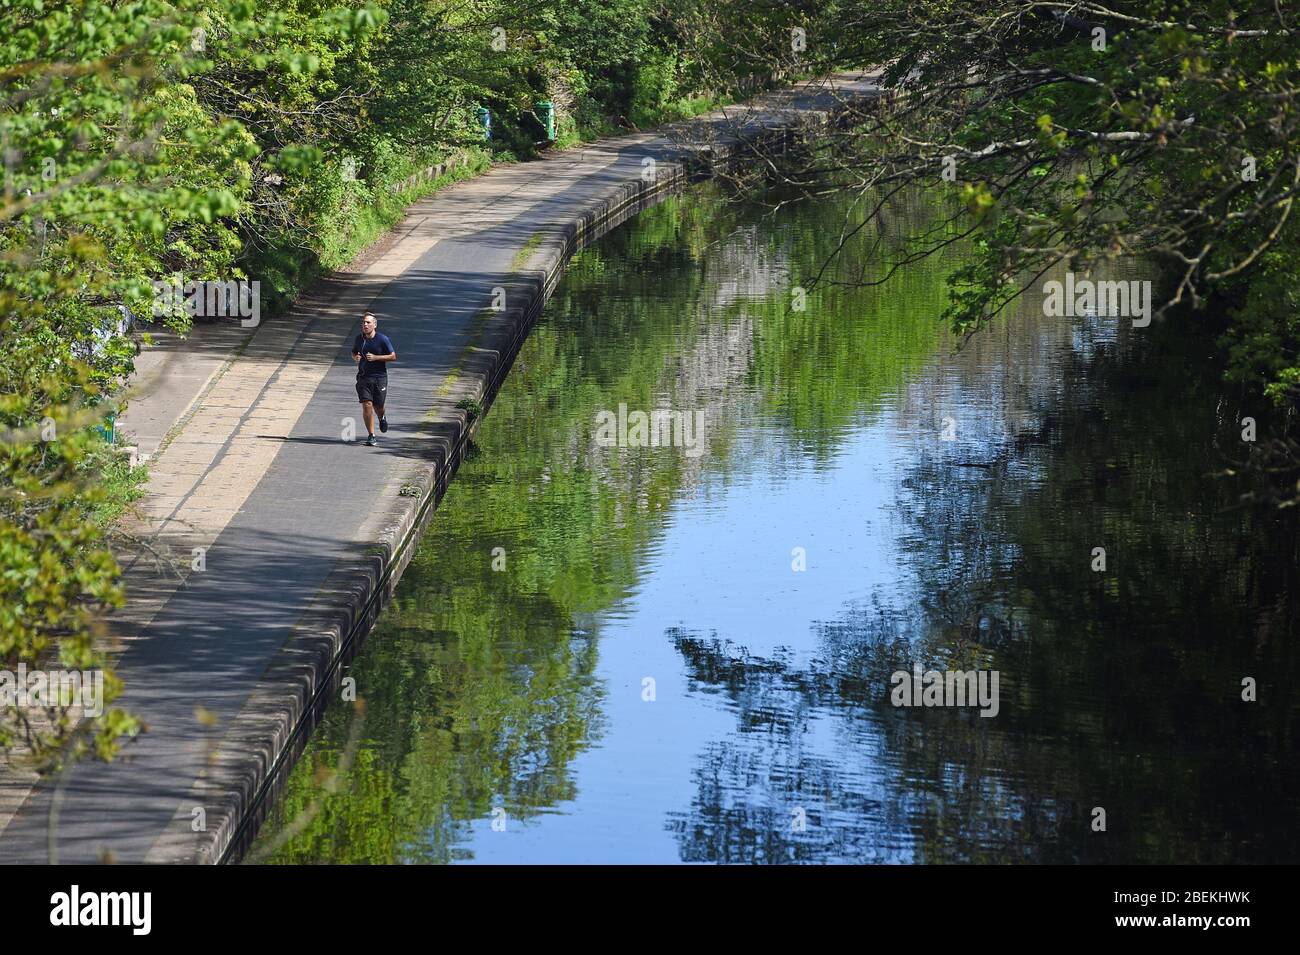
605 652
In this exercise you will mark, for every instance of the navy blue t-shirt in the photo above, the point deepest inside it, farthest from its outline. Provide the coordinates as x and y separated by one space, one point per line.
379 345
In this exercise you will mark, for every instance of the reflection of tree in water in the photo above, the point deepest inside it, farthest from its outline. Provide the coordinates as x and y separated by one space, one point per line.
458 722
751 784
944 799
1123 686
1119 690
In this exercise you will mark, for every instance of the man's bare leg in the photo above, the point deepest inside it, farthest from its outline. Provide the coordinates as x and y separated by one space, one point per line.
368 414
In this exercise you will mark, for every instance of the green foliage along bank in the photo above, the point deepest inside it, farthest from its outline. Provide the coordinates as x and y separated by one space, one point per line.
225 140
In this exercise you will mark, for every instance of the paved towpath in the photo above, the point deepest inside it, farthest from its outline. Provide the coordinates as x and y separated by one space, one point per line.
257 476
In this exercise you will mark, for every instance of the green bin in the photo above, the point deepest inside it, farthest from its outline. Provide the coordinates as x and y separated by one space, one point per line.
546 113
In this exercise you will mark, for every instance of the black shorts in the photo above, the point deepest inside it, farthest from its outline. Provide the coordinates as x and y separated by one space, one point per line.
373 388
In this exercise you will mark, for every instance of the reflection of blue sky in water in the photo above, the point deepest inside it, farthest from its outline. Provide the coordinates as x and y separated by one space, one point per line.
745 755
722 571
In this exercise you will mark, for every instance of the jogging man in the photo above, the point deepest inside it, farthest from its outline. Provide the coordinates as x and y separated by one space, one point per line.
372 352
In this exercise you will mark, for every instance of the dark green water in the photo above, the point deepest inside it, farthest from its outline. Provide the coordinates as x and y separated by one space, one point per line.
506 711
